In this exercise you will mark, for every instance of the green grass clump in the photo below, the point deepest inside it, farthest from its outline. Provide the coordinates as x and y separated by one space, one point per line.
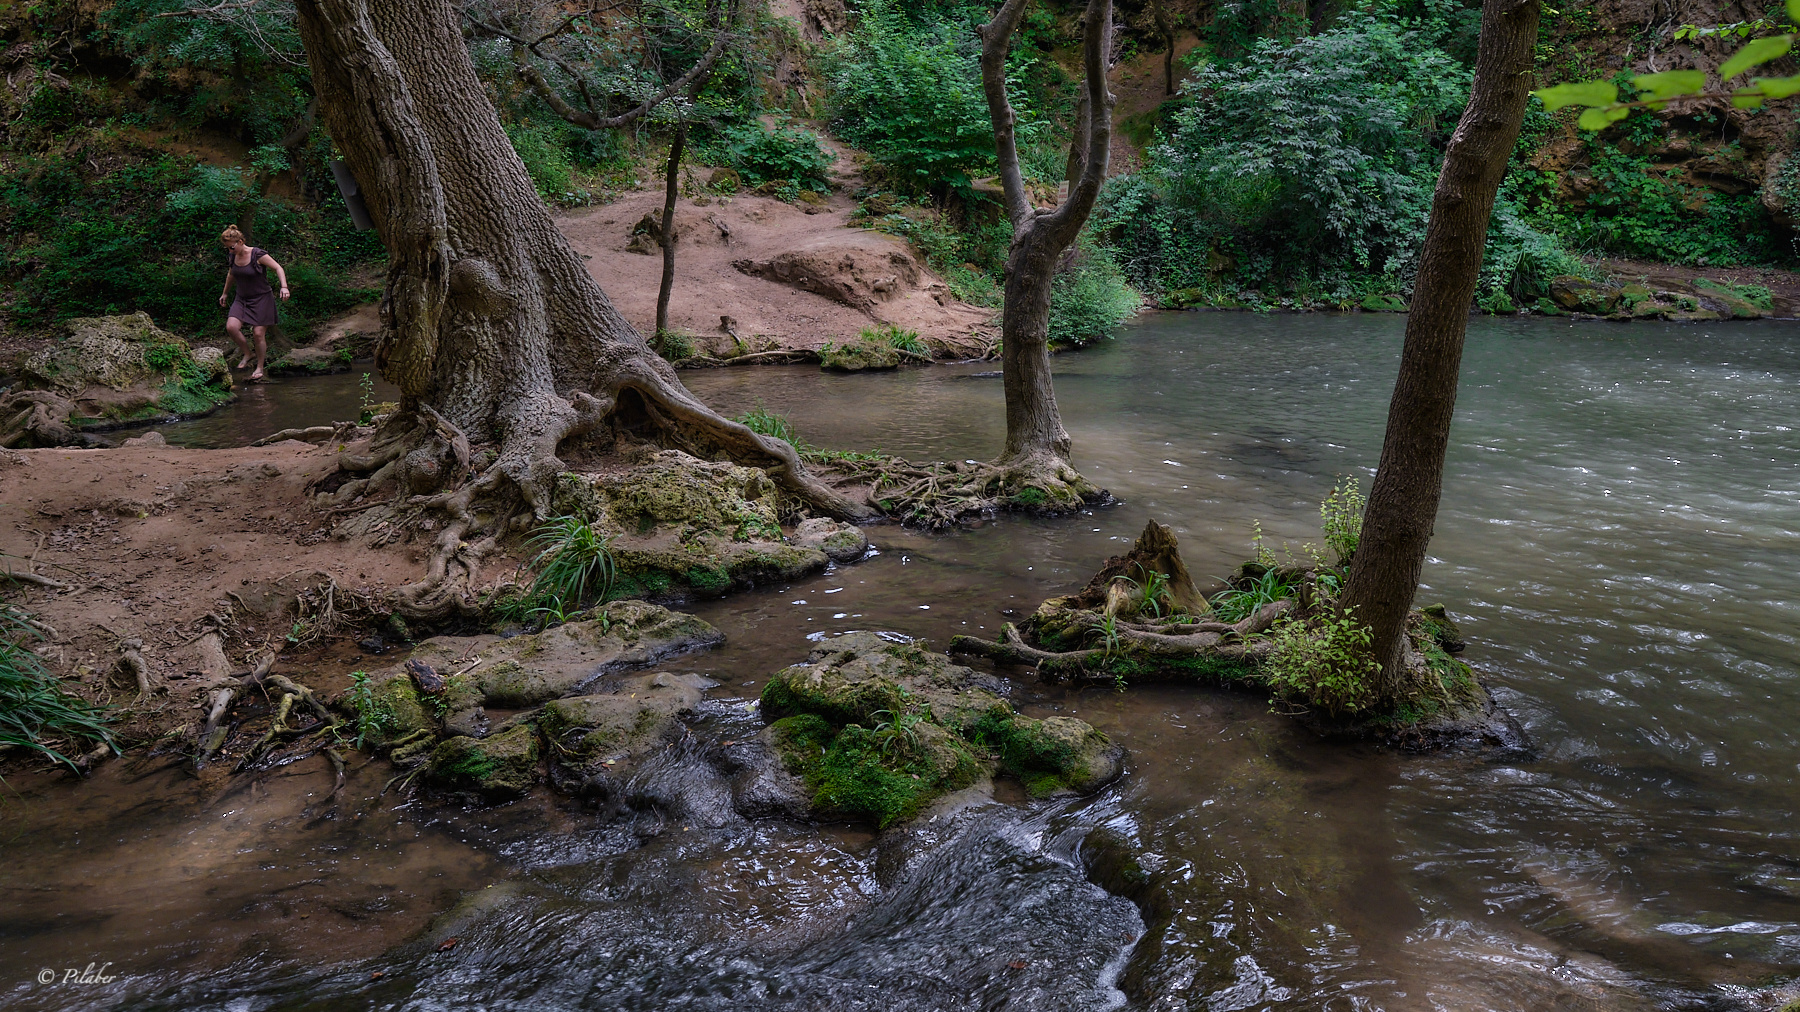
762 421
575 569
879 774
673 345
35 712
897 338
1242 600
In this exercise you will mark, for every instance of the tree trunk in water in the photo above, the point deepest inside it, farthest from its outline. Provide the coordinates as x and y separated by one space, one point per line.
492 328
668 228
1037 446
1403 502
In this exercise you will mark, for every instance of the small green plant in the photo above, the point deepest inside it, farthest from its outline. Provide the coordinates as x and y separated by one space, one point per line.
672 345
898 732
34 709
373 718
574 564
1242 601
762 421
1342 513
1323 663
365 409
1153 592
897 338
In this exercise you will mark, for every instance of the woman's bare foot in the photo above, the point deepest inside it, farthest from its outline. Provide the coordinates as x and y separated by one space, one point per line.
244 363
257 376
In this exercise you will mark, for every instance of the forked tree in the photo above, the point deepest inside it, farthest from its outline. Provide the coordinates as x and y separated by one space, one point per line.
491 327
1403 501
1036 456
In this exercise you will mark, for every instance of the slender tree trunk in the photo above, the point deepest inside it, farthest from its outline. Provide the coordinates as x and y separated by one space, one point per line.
492 328
1403 502
668 226
1037 446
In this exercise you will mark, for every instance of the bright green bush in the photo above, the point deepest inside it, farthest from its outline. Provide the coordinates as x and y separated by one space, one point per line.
786 154
910 95
1089 299
546 159
1323 663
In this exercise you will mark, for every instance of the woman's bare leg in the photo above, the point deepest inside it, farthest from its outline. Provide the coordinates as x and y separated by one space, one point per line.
262 352
235 327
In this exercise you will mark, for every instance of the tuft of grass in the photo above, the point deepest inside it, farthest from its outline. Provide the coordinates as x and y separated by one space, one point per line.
1241 601
673 345
574 568
764 422
897 338
35 712
1342 513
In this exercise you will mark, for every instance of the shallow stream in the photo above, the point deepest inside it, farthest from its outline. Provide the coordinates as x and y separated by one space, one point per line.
1617 539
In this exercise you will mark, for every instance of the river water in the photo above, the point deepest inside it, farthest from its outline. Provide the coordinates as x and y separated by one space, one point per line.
1617 539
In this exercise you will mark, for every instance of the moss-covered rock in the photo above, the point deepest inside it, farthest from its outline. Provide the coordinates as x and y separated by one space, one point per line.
313 361
685 526
120 369
839 541
605 732
878 728
1383 304
1579 295
500 765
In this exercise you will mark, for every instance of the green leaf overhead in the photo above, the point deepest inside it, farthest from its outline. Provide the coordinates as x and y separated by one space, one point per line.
1600 119
1672 83
1779 87
1756 51
1589 93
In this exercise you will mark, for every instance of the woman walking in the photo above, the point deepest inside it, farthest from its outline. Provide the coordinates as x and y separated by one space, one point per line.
255 303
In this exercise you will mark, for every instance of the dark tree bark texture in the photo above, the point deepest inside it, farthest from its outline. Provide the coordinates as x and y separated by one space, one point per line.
492 328
1403 501
1037 446
670 192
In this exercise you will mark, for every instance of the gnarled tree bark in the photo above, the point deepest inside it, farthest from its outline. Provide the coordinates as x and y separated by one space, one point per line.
1403 502
1037 446
492 328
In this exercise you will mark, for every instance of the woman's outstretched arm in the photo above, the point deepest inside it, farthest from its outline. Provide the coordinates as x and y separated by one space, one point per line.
269 262
225 296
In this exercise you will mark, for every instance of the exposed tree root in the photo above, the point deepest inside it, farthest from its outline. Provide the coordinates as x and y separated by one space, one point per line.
1168 641
943 494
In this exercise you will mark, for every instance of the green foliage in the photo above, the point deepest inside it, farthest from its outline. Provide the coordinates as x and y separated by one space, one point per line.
546 160
374 717
885 776
35 712
1323 663
145 236
765 422
786 156
1756 295
896 337
574 569
1241 600
365 405
1089 298
673 345
1342 514
1302 175
910 95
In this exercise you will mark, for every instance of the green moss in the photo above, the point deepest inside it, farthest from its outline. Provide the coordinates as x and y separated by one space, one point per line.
1199 669
790 692
1029 498
859 773
501 764
709 581
1756 295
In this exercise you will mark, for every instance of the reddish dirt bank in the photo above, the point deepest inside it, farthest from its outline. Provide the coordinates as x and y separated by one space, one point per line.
161 544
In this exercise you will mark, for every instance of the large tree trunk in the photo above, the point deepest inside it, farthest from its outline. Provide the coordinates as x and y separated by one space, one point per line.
492 327
1403 503
1037 446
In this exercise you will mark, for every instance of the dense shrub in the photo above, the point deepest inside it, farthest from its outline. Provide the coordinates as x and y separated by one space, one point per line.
786 154
1089 298
910 95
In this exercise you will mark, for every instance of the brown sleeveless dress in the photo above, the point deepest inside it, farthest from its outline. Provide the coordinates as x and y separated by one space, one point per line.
255 302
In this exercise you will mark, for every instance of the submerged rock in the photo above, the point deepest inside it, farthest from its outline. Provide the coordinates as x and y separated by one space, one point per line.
108 371
597 738
877 728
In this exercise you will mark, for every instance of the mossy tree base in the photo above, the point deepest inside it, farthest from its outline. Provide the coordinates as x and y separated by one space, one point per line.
943 494
1110 633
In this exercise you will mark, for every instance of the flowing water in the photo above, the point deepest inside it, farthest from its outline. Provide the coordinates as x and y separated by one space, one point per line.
1618 540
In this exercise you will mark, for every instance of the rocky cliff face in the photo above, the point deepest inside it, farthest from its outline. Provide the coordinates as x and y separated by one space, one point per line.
1708 146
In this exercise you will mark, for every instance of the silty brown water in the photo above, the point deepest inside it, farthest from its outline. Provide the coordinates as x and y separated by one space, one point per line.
1617 539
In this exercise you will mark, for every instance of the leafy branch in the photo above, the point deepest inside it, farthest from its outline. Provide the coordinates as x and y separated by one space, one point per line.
1603 107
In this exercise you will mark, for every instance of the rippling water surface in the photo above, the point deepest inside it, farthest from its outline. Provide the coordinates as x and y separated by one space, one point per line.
1618 540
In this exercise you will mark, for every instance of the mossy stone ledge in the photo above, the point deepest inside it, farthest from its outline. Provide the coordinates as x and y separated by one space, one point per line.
878 728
